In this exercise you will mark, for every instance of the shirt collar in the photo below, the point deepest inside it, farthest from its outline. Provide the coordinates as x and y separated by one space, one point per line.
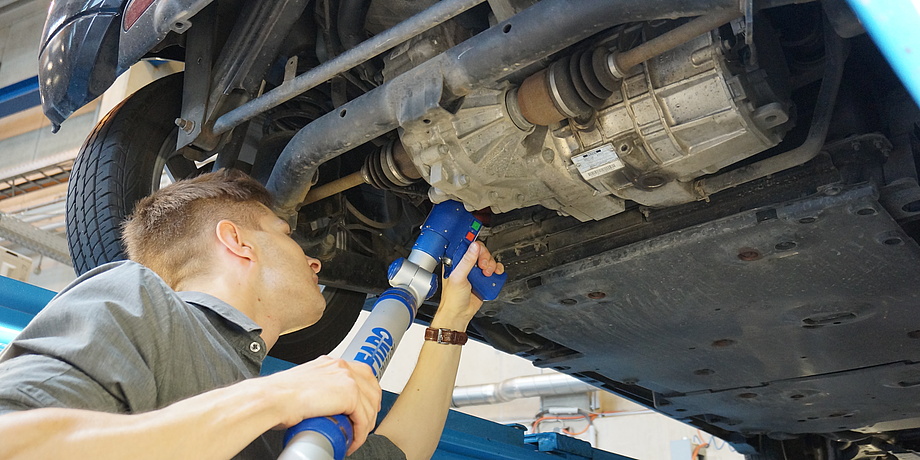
222 308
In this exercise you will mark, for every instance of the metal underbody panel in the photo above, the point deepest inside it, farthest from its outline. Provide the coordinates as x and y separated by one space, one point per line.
794 318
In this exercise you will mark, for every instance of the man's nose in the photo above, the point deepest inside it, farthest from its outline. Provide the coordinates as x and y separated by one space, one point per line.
315 264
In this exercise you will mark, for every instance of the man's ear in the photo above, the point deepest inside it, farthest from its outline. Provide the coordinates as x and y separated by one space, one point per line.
234 239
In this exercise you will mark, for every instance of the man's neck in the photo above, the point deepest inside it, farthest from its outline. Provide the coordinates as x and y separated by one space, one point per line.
241 298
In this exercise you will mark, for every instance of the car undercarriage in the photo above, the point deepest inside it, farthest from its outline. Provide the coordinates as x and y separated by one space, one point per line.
708 206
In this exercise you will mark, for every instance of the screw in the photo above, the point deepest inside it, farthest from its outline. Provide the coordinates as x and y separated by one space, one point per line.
832 190
185 125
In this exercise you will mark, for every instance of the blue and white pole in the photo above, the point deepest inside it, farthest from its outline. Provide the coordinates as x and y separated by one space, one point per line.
446 234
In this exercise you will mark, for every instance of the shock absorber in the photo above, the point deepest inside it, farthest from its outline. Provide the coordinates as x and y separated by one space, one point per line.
446 234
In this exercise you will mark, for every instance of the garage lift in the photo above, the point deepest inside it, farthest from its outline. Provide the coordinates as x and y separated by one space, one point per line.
464 437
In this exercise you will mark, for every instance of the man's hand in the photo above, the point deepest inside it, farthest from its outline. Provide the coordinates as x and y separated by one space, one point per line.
328 386
458 304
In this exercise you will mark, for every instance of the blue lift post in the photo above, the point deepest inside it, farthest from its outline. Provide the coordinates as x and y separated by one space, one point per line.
19 303
19 96
465 436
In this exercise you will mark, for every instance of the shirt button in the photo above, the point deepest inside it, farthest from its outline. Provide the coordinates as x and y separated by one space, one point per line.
255 347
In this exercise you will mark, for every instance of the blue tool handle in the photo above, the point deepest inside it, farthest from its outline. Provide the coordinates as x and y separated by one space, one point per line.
336 429
486 287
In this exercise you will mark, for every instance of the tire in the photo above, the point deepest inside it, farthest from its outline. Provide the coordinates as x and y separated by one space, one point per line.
342 309
122 161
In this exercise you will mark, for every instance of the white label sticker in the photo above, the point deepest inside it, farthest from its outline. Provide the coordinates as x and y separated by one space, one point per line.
598 161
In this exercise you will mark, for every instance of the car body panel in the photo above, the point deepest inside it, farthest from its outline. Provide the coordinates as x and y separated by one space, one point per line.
156 22
85 47
66 80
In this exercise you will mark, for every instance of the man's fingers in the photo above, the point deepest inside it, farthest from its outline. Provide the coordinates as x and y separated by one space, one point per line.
364 416
488 264
466 263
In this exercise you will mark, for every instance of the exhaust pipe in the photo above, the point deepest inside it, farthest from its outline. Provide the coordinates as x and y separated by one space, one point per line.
519 387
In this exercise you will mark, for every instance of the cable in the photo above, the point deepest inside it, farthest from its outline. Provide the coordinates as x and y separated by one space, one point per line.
696 451
714 442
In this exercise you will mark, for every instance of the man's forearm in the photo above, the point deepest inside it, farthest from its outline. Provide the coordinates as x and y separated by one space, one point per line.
416 421
417 418
213 425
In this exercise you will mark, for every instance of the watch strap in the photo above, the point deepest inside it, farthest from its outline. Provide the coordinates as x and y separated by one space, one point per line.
446 336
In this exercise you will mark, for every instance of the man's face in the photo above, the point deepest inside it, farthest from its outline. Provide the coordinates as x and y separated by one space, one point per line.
290 276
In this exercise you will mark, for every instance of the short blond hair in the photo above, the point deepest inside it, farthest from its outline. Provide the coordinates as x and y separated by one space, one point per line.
168 231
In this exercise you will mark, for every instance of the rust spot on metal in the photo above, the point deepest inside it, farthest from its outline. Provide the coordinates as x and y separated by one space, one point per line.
748 254
722 343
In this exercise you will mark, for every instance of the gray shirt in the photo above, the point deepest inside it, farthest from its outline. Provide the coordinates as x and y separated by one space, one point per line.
120 340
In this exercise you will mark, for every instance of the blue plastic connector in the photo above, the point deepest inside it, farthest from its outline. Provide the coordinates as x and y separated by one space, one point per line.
336 429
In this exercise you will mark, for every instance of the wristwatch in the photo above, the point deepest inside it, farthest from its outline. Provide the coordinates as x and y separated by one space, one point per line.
446 336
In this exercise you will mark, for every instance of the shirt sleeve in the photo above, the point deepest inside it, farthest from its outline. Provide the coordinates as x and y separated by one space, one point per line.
35 381
377 447
95 346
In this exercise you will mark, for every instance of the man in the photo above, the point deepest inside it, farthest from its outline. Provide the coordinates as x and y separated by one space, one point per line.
156 360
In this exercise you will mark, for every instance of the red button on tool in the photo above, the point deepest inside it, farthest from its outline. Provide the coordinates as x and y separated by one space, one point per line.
470 236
